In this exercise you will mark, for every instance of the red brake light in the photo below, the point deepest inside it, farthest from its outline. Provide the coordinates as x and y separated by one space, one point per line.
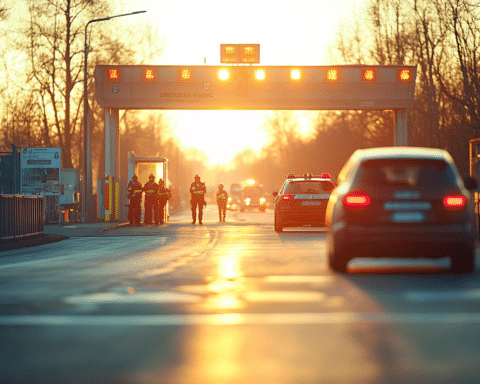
287 197
326 176
454 201
356 200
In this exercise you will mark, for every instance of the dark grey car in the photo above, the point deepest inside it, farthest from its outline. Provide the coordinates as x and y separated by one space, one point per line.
302 201
402 202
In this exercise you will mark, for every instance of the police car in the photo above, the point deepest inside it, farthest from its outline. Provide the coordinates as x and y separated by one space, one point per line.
302 201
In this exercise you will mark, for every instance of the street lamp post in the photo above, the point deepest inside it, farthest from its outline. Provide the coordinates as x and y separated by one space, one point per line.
87 203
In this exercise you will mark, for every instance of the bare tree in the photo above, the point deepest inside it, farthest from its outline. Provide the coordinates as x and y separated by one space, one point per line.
282 128
462 19
52 37
19 121
390 29
428 49
3 10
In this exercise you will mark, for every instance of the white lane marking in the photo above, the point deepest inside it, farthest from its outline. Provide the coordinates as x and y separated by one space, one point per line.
244 319
142 297
96 299
295 279
156 272
472 294
284 296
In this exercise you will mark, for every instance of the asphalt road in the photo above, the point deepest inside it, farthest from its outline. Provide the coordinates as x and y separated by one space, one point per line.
231 302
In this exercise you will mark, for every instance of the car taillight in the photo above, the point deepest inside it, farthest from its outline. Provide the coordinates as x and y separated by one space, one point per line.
356 200
287 197
454 201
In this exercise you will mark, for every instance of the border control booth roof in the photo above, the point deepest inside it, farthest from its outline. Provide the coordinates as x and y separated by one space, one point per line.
143 166
255 87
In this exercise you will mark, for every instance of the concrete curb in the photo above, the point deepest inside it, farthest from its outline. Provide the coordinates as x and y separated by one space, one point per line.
30 241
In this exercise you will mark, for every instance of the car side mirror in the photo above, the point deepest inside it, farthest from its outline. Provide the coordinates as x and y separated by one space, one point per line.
275 193
470 183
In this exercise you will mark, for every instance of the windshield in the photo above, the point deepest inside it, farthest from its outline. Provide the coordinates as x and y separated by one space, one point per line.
407 172
311 187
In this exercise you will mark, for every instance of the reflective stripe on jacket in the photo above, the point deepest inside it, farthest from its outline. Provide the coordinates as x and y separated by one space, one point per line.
163 194
150 189
134 190
198 190
222 197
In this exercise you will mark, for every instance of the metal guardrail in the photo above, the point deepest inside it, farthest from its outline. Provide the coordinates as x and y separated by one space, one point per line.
21 216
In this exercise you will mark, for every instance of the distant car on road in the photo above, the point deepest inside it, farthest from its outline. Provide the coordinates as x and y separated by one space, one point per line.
302 200
234 197
402 202
253 197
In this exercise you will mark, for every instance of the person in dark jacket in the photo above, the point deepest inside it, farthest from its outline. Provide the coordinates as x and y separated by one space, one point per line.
222 198
197 199
164 194
135 191
151 191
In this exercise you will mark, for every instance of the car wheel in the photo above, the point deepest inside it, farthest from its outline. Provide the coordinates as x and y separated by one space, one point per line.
463 260
278 224
337 259
338 263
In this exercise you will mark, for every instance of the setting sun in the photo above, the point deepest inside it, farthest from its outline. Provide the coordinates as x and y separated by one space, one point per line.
220 134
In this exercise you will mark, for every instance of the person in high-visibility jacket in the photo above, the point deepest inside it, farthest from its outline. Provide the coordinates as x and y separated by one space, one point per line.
222 198
197 199
151 191
164 194
135 191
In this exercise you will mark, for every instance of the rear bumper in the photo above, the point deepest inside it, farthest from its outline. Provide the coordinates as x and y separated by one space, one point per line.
292 219
408 242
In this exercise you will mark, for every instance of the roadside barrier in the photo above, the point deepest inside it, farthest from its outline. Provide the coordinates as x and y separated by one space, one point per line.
21 216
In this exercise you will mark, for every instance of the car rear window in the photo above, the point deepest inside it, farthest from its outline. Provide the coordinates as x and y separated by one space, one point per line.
295 187
408 172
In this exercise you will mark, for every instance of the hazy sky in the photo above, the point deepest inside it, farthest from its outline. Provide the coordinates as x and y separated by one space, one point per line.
289 33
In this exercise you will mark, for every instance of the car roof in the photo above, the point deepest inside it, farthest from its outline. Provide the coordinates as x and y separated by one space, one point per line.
402 152
307 179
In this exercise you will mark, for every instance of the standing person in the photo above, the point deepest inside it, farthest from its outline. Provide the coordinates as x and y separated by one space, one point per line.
222 198
151 191
135 191
197 198
164 194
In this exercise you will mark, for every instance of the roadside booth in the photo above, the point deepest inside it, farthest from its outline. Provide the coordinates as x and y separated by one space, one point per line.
143 167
